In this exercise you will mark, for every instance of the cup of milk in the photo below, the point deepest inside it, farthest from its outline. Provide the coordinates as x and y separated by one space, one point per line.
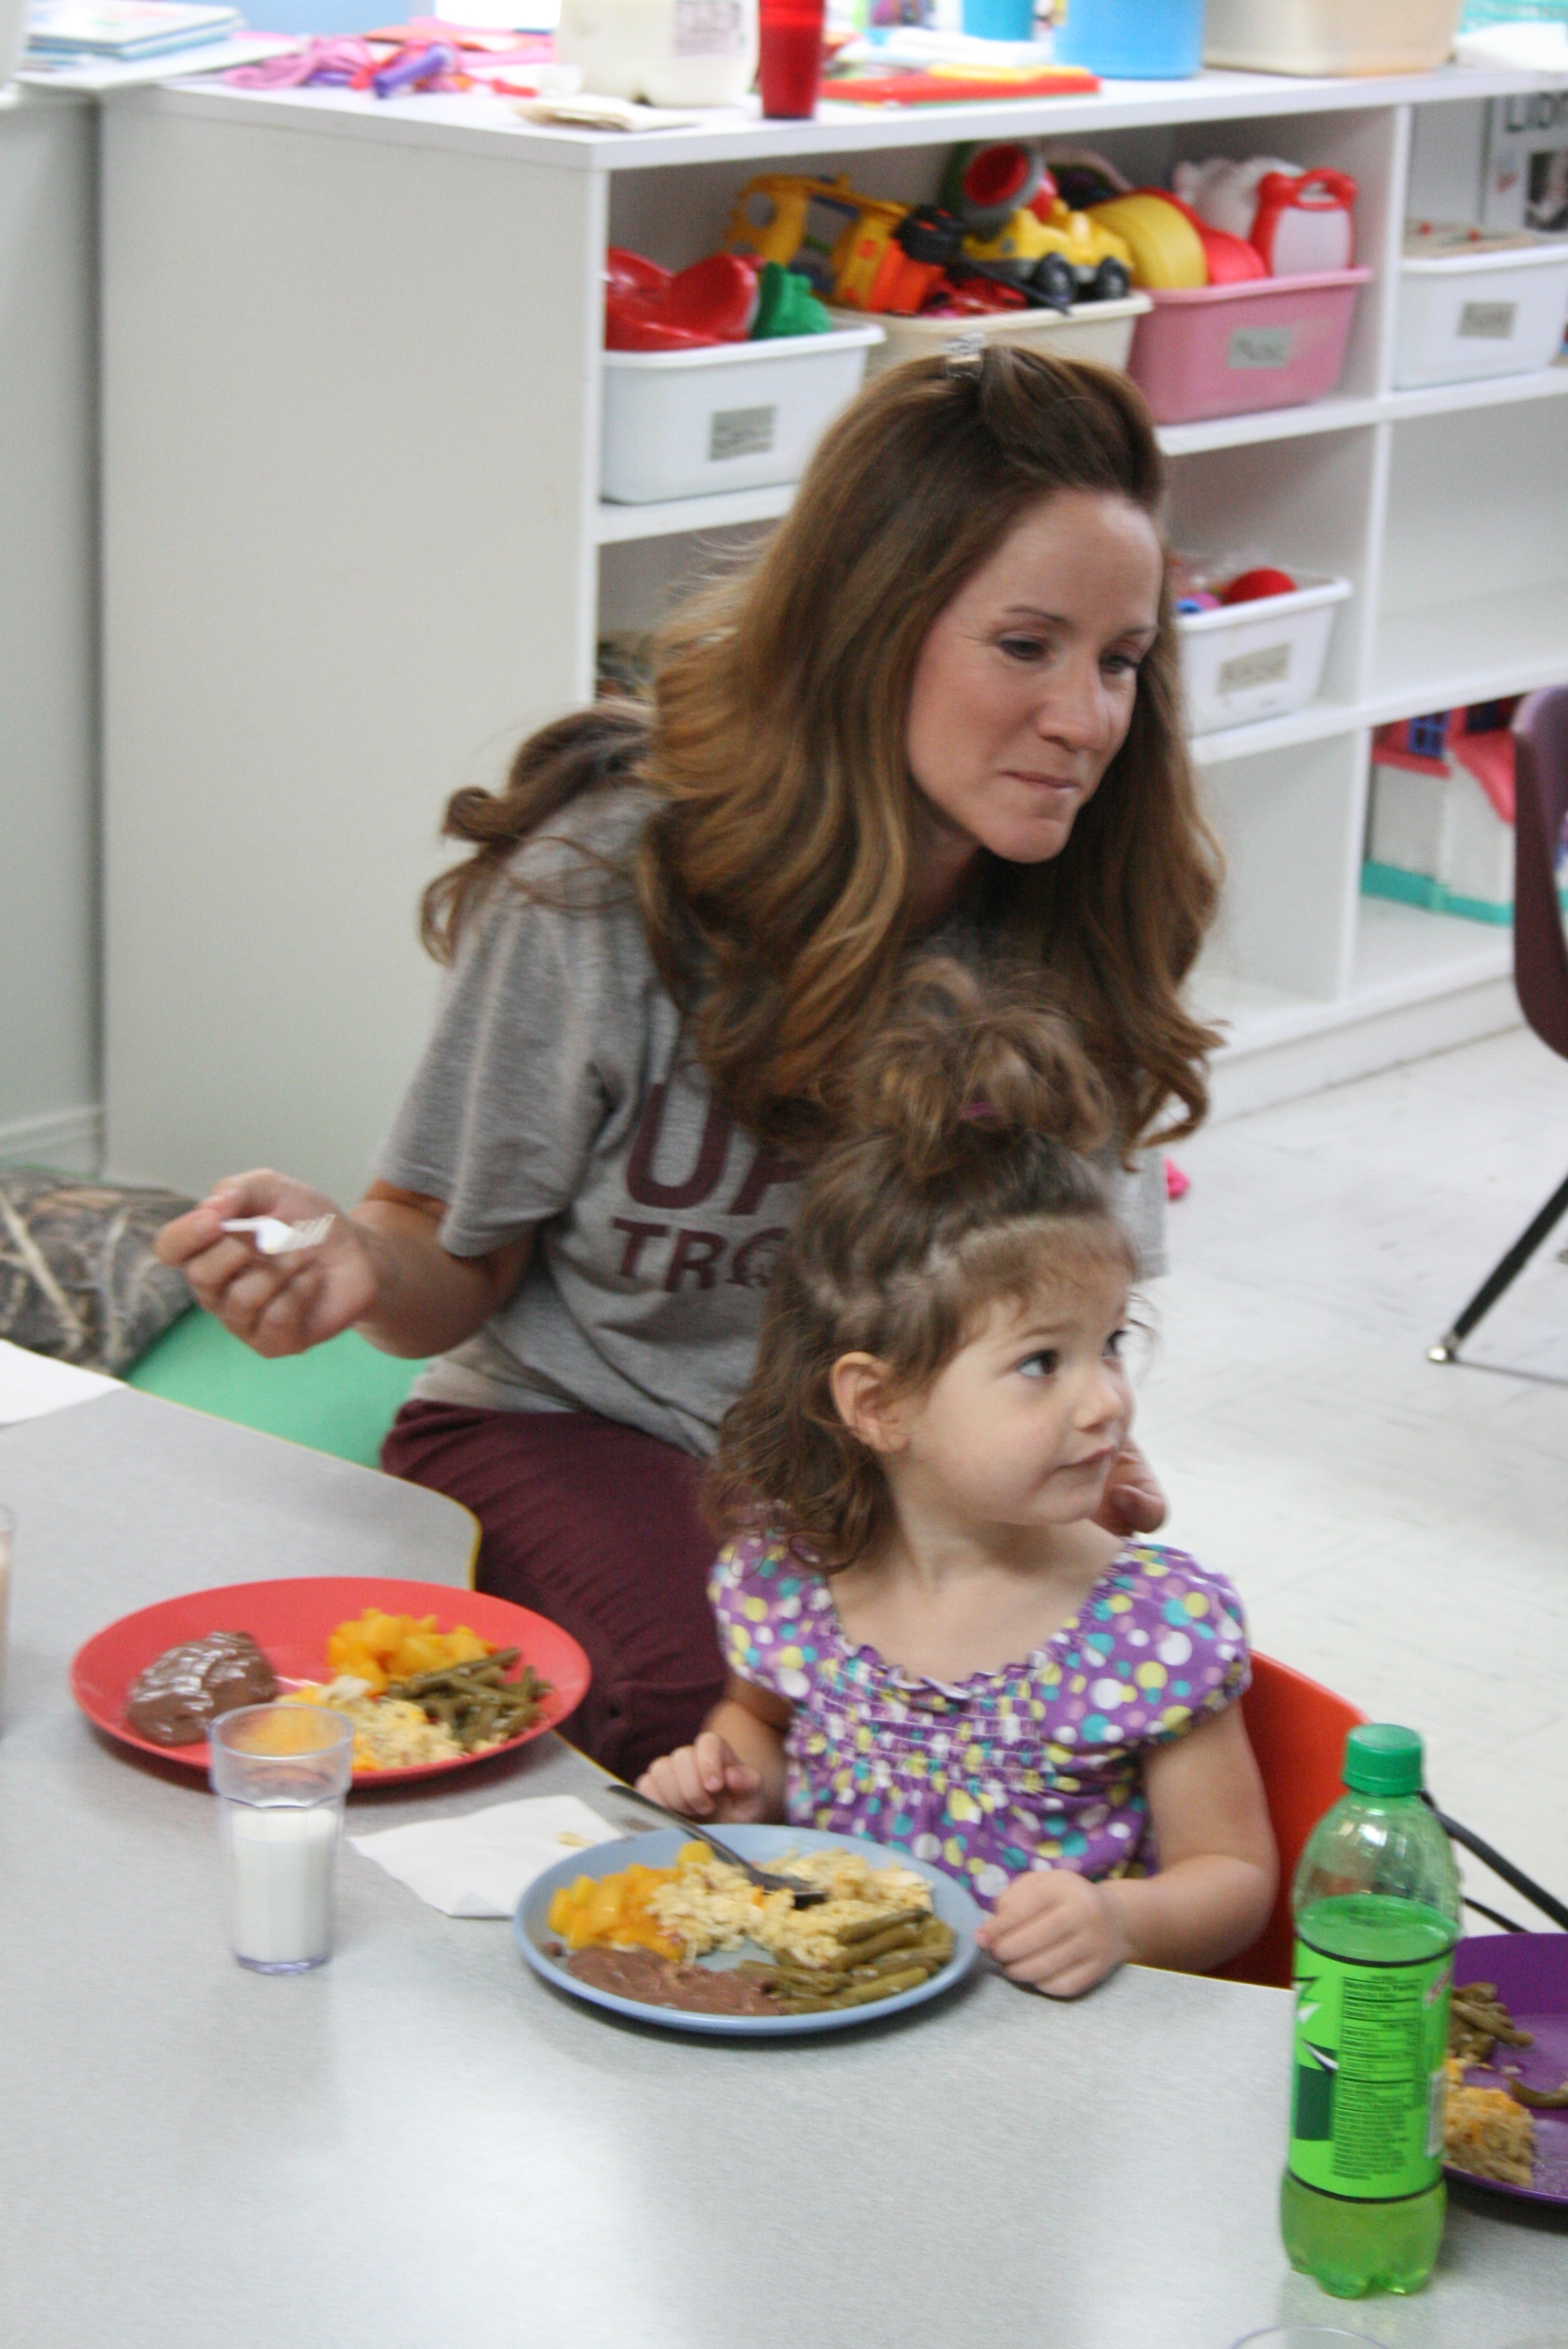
281 1773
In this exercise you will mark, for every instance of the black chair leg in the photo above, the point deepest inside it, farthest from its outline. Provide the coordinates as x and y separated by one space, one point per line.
1446 1350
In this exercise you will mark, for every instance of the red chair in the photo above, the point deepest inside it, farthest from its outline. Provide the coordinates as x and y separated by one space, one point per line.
1297 1731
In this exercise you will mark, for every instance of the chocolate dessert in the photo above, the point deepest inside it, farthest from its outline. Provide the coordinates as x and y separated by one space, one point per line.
172 1703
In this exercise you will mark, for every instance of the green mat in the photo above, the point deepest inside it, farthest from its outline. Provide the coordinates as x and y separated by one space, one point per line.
340 1398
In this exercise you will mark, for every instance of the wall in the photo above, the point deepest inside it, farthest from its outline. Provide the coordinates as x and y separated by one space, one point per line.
48 819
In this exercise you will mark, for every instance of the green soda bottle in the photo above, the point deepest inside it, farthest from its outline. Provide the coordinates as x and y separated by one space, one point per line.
1377 1908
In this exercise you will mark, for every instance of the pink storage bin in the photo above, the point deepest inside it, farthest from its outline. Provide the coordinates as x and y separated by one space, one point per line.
1266 342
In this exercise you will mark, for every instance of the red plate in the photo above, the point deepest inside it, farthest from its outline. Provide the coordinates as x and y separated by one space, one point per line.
291 1621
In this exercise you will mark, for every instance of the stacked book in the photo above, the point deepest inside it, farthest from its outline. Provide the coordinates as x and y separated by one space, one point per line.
123 30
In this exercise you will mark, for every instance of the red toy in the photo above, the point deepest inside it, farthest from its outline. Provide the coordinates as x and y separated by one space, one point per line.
1251 587
647 309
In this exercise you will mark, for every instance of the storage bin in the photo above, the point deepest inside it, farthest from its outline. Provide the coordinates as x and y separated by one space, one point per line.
737 416
1136 40
1092 330
1266 342
1331 37
1261 659
1496 312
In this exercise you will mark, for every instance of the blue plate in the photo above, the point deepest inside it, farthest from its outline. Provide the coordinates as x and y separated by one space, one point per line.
764 1846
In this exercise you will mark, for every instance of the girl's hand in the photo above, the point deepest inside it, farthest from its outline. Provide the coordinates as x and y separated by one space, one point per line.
277 1304
1056 1931
1134 1501
707 1780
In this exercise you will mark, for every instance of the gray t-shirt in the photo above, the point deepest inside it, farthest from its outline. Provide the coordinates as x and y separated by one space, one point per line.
554 1093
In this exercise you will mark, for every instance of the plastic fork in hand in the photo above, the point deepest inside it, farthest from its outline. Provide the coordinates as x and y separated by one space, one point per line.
804 1896
275 1237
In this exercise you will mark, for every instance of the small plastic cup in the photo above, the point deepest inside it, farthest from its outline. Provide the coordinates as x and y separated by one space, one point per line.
789 58
1304 2336
280 1772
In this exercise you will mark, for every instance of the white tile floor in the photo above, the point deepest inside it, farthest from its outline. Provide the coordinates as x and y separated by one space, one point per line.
1398 1529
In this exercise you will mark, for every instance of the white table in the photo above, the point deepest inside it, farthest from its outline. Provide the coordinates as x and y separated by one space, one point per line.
422 2144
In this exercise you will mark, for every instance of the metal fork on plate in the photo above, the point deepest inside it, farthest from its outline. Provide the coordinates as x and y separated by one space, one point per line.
804 1896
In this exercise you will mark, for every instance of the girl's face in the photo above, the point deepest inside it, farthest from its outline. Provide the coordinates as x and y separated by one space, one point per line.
1024 689
1021 1428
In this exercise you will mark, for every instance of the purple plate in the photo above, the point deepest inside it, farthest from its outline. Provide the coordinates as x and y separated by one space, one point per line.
1530 1971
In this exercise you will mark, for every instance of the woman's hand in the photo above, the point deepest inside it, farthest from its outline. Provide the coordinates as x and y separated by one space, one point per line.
707 1780
1134 1500
277 1304
1056 1931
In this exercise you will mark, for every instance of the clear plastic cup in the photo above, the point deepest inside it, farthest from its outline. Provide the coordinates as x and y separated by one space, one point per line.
280 1772
1304 2336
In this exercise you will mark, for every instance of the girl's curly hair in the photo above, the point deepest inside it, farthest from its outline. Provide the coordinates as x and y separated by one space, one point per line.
959 1181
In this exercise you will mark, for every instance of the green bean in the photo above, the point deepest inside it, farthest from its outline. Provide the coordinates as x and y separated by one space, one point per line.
1539 2100
895 1936
885 1986
938 1938
871 1928
897 1960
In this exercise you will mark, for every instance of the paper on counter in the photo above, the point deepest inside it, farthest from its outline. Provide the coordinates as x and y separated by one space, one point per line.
32 1385
481 1864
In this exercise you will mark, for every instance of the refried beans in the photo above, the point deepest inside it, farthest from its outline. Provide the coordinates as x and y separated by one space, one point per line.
653 1981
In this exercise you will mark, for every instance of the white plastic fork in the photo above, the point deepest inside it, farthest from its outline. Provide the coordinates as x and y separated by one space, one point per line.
272 1236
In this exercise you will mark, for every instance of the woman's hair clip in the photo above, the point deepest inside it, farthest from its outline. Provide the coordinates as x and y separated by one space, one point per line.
976 1112
966 353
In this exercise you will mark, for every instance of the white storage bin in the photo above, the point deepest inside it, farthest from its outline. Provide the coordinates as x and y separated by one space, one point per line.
1497 311
1261 659
736 416
1330 36
1091 330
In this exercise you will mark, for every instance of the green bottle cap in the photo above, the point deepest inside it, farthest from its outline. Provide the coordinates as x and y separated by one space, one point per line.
1380 1759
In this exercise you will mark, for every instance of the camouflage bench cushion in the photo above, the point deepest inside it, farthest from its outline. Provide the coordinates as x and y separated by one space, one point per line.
77 1275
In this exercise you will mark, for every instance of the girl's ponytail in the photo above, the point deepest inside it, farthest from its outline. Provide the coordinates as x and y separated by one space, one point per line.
964 1069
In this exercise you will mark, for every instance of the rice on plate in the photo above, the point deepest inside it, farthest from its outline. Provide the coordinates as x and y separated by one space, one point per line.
713 1905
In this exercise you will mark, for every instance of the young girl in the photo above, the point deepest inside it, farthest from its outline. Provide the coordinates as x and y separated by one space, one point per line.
929 1640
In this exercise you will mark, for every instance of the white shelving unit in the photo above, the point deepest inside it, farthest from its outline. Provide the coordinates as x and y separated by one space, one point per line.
355 547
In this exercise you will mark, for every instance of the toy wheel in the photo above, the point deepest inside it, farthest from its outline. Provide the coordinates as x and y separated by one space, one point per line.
1054 278
1112 281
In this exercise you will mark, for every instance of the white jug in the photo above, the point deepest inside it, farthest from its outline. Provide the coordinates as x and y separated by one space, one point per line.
669 52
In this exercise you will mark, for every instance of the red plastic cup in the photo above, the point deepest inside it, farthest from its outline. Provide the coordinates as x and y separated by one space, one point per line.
789 70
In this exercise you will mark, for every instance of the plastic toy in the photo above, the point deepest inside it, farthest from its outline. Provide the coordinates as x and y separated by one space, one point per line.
986 181
722 299
934 237
647 309
1298 221
1072 256
786 305
845 244
1251 587
1166 250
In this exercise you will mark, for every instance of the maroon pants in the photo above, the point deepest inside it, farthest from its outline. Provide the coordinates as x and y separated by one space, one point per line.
595 1526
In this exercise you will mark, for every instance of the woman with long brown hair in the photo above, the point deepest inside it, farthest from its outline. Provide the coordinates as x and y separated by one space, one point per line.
942 705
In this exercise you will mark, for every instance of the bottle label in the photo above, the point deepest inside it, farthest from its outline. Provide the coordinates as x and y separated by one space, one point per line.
710 28
1367 2120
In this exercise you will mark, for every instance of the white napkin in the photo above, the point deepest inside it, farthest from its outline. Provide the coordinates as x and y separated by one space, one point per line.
33 1384
478 1865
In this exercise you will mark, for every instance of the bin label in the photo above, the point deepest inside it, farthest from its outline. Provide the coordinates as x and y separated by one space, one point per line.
1260 347
1487 322
1367 2119
741 432
1265 666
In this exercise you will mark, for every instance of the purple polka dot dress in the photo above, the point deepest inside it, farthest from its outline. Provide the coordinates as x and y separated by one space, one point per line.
1036 1765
